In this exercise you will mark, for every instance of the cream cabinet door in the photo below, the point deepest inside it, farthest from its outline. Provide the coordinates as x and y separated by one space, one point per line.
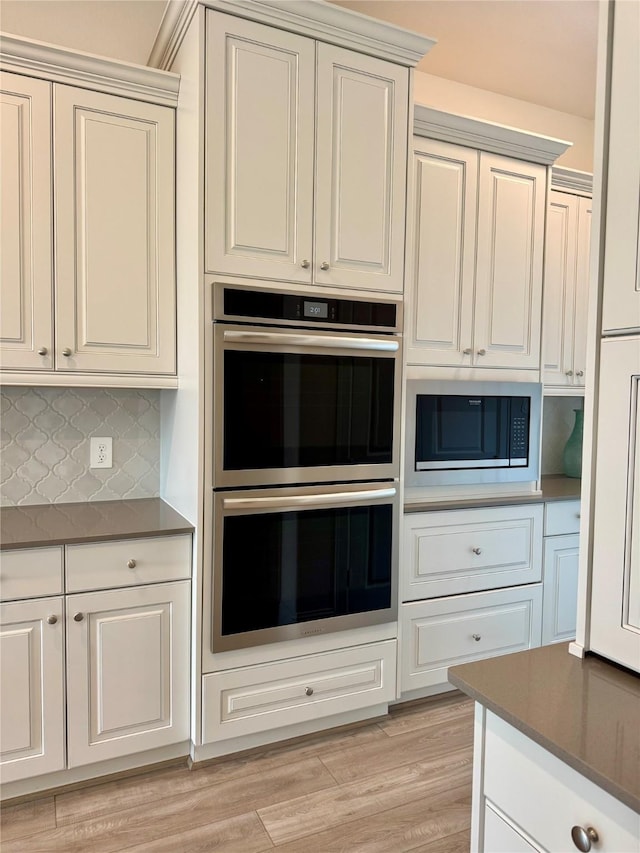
31 688
26 319
582 291
621 293
559 289
259 156
441 255
115 256
127 671
361 170
508 301
560 588
615 593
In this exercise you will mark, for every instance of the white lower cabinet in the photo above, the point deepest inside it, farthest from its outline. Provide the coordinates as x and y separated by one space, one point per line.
457 629
253 699
127 671
560 599
543 798
31 688
501 837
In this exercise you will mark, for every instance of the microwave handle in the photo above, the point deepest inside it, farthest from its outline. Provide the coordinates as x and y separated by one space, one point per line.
295 501
289 340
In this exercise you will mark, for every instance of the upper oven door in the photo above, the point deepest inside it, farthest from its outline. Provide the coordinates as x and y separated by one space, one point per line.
296 407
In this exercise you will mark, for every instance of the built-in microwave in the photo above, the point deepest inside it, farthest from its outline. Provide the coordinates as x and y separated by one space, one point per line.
472 432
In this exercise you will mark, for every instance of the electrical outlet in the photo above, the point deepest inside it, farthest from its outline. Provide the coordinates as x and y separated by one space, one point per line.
100 453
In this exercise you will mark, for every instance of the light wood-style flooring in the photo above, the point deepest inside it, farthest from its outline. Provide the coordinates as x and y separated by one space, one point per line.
401 783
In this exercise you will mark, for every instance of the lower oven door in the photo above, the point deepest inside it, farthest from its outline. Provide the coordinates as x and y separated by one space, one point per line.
291 563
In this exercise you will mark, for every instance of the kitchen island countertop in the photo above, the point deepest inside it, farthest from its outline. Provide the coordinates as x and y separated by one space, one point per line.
91 521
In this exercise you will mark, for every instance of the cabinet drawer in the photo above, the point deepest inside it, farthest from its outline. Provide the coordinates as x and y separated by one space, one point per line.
439 634
561 517
501 837
253 699
470 550
129 562
545 797
30 573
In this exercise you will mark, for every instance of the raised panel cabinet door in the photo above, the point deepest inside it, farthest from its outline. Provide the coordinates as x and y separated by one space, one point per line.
26 262
582 291
621 291
361 170
259 150
31 688
560 588
559 298
441 244
127 671
115 234
615 592
508 301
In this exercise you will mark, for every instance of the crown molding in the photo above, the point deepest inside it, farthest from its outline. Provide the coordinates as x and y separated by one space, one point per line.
487 136
76 68
315 18
572 180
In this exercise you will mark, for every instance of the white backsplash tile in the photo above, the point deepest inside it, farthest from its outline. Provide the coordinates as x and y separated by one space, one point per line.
558 419
44 438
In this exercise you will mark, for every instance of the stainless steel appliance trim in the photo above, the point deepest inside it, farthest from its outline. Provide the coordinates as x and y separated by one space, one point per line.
308 501
284 339
461 464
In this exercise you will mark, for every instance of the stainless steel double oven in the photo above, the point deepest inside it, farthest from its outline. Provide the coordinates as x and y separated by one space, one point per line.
306 421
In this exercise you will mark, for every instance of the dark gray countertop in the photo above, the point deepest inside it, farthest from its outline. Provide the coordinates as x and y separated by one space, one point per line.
586 712
555 487
91 521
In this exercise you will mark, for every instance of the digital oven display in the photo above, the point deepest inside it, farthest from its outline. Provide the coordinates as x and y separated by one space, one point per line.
316 310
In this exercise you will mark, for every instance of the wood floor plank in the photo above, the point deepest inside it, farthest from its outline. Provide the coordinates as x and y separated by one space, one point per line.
331 807
26 819
94 801
458 843
403 828
242 834
173 815
427 714
349 764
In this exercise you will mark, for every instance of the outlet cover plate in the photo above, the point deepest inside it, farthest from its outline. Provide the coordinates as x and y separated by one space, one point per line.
100 453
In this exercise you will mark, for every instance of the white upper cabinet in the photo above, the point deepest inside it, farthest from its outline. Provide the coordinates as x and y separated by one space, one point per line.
621 295
566 291
114 212
26 319
305 160
475 248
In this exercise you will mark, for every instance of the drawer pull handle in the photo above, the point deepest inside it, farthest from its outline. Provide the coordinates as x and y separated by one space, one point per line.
477 637
304 264
131 564
577 515
467 351
52 619
324 265
482 352
582 837
308 691
43 351
66 352
78 617
477 550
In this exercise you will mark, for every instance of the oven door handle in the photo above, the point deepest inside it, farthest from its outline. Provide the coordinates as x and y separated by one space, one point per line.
325 341
296 501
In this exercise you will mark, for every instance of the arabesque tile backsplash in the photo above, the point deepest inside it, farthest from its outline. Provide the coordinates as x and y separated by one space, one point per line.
45 436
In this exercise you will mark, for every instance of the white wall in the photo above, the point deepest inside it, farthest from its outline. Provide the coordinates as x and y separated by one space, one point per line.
455 97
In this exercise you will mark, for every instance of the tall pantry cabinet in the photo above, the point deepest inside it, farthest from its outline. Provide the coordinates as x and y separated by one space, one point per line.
292 130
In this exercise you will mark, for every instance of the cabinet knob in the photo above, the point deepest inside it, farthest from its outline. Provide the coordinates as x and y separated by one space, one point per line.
131 564
477 550
43 351
66 352
477 637
308 691
304 264
582 837
467 351
580 373
482 352
569 373
324 265
78 617
52 619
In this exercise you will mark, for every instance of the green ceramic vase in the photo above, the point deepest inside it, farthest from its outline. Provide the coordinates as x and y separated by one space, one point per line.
572 454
